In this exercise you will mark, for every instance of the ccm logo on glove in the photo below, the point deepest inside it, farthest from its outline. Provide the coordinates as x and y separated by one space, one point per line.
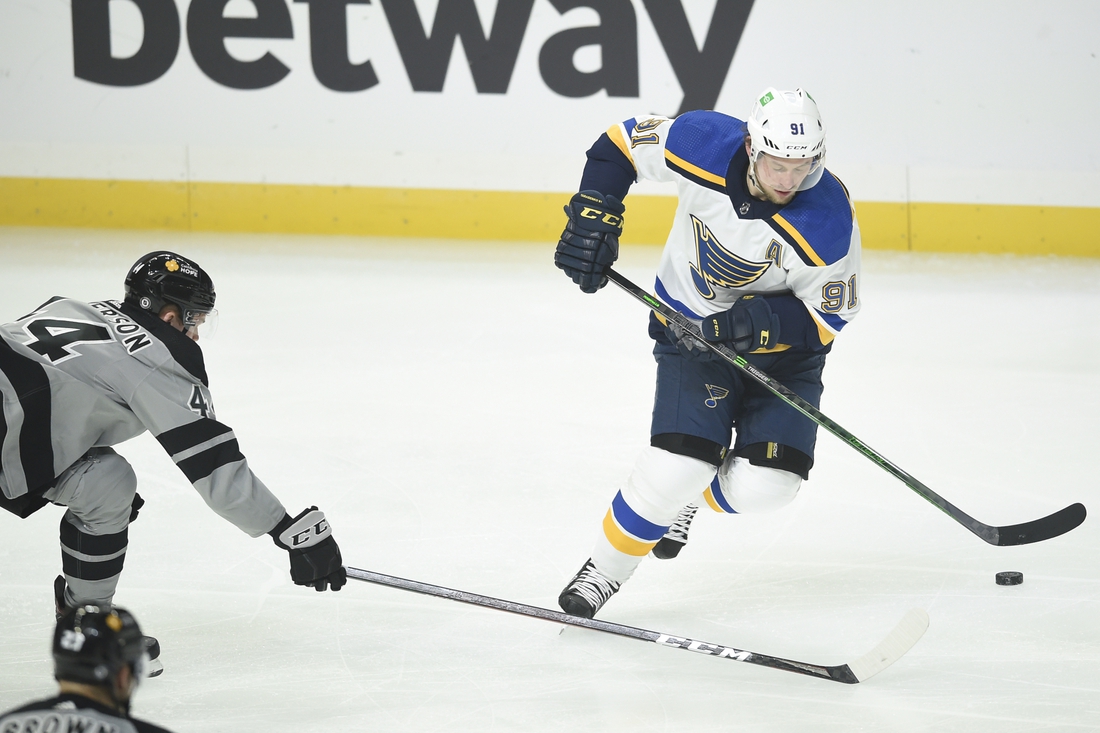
604 216
307 529
311 535
314 556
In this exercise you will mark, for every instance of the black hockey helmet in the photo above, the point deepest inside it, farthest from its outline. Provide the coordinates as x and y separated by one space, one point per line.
92 643
163 278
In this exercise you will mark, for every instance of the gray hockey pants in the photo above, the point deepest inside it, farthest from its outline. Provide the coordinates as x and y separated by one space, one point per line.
98 491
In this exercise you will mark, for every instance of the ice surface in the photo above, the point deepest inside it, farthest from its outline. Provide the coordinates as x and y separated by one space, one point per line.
464 415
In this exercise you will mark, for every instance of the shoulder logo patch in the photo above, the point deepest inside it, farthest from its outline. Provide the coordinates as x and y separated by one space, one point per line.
717 266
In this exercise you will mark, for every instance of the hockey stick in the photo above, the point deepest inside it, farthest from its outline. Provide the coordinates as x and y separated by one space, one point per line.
888 651
1036 530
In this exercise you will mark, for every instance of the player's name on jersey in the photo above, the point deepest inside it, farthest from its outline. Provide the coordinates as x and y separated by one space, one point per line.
130 333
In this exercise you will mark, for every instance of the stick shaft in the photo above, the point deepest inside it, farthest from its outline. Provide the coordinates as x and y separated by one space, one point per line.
1040 529
839 673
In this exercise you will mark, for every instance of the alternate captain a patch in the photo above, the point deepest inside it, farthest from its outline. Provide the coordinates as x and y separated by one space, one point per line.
717 266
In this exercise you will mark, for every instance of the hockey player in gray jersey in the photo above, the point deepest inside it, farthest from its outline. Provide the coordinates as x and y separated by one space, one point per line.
763 254
78 378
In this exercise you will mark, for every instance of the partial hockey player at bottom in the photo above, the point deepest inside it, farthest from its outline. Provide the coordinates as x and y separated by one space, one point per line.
100 658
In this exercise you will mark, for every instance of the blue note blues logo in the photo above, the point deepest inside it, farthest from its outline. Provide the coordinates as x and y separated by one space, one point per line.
718 267
716 393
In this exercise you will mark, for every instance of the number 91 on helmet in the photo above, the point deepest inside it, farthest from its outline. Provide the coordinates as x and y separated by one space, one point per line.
786 124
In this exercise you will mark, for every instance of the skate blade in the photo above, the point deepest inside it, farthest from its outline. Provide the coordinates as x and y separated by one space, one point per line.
154 668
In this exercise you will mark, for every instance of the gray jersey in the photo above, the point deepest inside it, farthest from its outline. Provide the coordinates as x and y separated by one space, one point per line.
80 375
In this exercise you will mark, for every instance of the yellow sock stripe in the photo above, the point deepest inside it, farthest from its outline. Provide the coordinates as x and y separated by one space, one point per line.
623 542
709 496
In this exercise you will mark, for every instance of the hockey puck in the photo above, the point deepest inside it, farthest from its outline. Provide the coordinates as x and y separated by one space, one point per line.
1010 577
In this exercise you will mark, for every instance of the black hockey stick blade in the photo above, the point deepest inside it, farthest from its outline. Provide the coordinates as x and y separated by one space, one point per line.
888 651
1036 530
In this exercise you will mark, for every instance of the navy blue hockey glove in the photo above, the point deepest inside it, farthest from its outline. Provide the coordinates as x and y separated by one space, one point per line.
747 326
314 557
590 242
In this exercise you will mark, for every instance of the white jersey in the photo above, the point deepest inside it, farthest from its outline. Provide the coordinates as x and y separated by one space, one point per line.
724 243
76 376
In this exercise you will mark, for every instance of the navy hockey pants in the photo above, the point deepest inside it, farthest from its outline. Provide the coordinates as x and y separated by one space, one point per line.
710 398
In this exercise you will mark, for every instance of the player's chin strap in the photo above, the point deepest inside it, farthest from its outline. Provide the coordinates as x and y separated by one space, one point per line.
1018 534
752 179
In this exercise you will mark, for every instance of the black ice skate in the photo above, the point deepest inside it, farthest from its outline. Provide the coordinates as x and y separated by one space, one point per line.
587 592
152 646
676 537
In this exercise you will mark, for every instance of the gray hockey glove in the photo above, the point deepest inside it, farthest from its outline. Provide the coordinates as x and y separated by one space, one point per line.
747 326
689 345
314 557
590 242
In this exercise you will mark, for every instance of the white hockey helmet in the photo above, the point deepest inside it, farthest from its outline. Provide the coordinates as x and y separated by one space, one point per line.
787 125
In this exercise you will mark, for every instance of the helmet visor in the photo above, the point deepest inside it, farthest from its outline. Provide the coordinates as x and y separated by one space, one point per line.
200 323
141 668
788 174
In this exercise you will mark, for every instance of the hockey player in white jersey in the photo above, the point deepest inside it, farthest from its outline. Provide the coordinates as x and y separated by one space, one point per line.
78 378
764 255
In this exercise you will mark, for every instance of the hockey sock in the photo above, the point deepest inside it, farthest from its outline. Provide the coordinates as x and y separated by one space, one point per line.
91 563
640 514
